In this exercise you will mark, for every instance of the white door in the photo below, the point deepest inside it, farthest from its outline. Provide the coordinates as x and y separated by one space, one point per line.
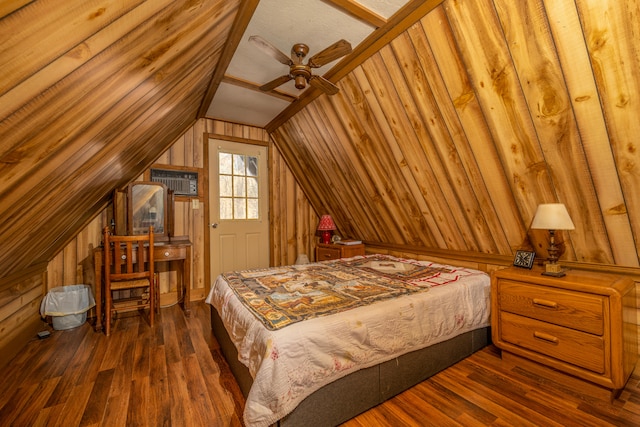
239 212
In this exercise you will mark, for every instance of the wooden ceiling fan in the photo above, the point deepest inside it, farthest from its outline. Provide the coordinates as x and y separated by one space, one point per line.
298 71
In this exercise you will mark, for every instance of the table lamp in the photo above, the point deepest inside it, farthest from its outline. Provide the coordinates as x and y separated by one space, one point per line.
552 217
325 227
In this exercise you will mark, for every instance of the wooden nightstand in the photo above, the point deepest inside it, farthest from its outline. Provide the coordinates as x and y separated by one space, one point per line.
328 251
582 324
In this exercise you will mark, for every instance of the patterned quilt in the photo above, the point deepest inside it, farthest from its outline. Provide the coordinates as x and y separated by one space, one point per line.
282 296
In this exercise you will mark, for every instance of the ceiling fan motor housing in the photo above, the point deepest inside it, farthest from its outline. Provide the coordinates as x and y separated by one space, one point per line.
301 73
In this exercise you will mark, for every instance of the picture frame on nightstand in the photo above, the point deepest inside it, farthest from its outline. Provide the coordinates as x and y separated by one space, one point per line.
524 259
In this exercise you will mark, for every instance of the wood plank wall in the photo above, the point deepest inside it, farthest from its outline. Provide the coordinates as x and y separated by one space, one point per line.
20 297
293 221
449 136
91 93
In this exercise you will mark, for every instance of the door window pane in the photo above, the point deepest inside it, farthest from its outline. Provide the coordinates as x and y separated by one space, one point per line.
252 187
225 186
239 191
238 165
238 186
225 163
252 166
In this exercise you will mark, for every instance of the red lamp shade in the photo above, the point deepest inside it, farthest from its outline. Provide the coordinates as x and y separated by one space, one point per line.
325 227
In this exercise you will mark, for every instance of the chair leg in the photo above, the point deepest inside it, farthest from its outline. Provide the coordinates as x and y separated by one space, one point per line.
152 301
107 312
157 288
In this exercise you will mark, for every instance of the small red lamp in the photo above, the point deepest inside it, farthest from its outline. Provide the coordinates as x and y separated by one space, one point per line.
325 227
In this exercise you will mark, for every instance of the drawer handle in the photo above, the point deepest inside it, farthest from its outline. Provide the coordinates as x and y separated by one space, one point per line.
545 337
545 303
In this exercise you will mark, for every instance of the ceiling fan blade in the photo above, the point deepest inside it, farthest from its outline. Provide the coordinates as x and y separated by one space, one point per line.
333 52
270 50
275 83
324 85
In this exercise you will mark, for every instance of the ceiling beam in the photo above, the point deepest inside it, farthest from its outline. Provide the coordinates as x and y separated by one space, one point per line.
359 12
411 13
245 13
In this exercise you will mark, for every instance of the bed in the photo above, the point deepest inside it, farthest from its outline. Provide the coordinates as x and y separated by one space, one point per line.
319 343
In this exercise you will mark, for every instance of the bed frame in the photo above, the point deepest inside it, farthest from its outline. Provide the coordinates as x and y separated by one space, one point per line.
349 396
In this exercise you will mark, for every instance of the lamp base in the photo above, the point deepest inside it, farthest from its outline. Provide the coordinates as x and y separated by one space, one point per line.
553 269
553 274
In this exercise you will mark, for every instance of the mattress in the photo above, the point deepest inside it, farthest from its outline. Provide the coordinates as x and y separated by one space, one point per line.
290 363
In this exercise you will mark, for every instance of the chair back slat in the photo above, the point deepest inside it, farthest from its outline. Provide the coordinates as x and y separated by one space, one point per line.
128 258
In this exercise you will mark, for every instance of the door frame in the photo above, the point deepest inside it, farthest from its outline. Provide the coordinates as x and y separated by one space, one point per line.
207 205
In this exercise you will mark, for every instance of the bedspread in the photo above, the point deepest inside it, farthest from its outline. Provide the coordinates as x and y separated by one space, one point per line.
281 296
289 364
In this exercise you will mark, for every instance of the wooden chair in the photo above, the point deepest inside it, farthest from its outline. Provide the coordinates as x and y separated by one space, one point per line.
129 270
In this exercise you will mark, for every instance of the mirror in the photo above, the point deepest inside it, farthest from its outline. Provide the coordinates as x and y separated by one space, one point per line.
147 206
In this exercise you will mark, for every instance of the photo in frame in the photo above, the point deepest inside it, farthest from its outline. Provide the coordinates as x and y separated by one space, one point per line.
524 259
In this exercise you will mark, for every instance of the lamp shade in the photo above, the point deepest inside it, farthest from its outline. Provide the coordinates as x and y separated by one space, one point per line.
552 216
326 223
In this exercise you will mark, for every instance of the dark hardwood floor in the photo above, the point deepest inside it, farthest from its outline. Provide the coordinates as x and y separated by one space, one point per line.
174 375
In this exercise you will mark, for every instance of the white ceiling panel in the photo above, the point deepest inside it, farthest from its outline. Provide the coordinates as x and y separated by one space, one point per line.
384 8
240 105
283 23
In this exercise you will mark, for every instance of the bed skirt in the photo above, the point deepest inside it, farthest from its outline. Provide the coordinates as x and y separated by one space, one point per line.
360 391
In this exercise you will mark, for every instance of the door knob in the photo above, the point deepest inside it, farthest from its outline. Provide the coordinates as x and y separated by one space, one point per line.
214 225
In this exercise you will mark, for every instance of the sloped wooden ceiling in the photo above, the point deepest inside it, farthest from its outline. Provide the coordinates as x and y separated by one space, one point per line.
446 137
91 93
452 134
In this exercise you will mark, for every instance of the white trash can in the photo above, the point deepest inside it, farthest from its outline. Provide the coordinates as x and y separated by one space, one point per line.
67 306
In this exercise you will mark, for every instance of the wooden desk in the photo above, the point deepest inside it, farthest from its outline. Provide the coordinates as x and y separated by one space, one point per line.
176 249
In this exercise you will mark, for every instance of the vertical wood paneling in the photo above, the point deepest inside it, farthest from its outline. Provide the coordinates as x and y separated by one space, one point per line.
471 169
458 128
483 49
581 86
543 85
293 220
356 178
448 137
71 263
89 102
613 45
20 297
447 65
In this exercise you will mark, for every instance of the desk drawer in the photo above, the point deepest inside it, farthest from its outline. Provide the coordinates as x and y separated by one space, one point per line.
168 253
571 346
580 311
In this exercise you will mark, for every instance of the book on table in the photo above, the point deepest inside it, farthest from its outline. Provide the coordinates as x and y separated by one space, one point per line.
349 242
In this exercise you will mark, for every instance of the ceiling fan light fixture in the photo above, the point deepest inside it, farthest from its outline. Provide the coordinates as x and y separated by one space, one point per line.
301 82
300 72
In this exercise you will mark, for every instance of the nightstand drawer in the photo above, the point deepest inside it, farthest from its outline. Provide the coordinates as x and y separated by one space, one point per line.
580 311
578 348
325 254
